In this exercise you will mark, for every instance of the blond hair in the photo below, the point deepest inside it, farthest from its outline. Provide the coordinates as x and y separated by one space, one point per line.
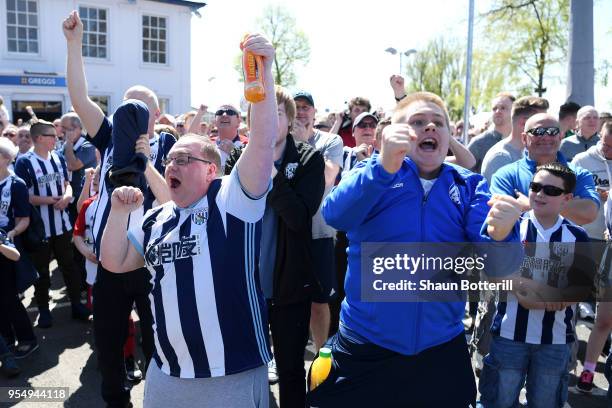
422 96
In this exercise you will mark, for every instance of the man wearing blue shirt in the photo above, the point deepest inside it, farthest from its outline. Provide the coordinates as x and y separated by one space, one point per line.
542 139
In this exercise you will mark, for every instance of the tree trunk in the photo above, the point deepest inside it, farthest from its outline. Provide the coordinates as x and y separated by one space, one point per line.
581 69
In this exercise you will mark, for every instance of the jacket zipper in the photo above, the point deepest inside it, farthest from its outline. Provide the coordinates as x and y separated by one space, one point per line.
421 238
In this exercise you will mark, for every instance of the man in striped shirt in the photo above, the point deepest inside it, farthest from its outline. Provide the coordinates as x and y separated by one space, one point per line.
202 249
533 329
46 177
114 295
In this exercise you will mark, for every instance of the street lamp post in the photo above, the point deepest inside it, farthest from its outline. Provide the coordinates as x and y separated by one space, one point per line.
407 53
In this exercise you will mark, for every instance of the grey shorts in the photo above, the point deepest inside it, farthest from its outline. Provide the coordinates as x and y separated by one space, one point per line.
248 389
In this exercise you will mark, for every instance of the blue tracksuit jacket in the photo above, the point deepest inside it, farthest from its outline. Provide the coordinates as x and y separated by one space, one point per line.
372 205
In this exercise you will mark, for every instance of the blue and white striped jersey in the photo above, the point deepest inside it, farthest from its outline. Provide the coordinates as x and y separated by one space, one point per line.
46 178
14 201
208 309
553 264
160 146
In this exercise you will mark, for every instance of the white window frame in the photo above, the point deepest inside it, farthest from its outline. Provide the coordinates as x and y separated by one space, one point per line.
97 33
108 102
142 39
27 27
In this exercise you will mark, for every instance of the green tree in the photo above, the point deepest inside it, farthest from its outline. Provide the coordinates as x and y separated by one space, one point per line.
290 43
532 33
440 68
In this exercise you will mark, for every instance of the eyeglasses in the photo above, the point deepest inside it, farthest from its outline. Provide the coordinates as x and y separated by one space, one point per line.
544 131
49 135
365 125
183 160
552 191
228 112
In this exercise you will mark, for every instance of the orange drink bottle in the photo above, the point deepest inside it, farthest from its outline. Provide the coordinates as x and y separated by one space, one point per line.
320 368
252 69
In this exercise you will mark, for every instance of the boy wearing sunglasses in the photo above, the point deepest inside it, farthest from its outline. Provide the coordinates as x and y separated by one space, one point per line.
542 139
533 329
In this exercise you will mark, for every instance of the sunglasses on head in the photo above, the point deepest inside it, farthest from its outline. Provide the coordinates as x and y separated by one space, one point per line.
552 191
544 131
365 125
228 112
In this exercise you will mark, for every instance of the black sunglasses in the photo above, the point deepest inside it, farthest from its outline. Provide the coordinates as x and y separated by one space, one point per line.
552 191
542 131
228 112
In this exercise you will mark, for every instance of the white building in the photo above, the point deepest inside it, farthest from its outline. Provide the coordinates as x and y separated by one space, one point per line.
126 42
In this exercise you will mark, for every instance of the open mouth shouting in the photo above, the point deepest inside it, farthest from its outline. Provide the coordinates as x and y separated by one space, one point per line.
174 182
428 144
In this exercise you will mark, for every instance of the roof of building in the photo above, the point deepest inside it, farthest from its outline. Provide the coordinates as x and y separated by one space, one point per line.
194 5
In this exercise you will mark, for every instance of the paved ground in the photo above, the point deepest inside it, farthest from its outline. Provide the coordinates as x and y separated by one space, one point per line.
66 359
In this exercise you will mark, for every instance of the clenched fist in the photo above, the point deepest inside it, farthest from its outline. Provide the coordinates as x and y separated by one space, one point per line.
73 27
126 199
504 213
397 141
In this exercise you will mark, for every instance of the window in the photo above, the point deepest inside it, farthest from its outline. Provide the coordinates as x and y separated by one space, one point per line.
95 32
22 26
154 37
101 101
164 104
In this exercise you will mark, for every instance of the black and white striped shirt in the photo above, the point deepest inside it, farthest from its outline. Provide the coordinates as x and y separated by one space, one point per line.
46 178
208 308
160 146
552 261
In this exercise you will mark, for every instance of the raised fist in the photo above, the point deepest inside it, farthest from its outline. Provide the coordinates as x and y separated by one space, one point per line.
73 27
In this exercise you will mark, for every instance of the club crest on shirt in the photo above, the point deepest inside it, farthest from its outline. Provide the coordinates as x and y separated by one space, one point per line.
200 217
290 170
453 193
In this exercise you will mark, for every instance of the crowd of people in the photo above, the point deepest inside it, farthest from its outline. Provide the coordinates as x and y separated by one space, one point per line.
238 241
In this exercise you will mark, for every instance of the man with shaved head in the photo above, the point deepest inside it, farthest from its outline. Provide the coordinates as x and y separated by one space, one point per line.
542 138
586 135
227 120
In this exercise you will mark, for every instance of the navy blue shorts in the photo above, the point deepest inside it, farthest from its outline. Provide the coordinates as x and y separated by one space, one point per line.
366 375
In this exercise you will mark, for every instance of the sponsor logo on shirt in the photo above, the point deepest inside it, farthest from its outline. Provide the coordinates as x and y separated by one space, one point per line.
168 252
48 178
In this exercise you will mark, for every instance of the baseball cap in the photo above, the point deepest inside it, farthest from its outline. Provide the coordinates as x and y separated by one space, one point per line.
305 95
362 116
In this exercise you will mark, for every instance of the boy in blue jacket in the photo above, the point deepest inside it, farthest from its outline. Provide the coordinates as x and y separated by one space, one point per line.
392 353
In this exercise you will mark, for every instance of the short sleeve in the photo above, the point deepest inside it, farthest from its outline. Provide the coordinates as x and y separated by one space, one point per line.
87 155
136 235
334 150
501 182
233 198
79 225
20 199
21 170
585 186
102 139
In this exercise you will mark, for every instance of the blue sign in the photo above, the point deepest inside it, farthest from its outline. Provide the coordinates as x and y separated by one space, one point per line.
33 80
